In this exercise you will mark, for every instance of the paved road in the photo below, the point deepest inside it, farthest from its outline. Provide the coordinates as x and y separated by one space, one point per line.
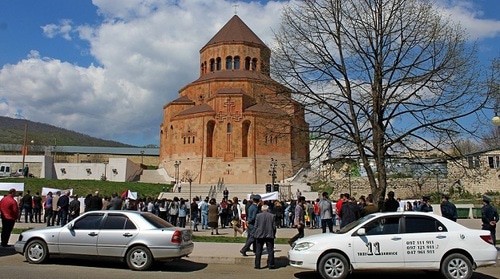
220 260
13 266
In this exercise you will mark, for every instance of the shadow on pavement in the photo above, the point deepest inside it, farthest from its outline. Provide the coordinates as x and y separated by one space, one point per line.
173 266
7 251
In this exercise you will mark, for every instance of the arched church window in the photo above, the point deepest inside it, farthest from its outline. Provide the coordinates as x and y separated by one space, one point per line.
244 138
218 64
236 62
229 63
254 64
229 128
247 63
193 139
189 140
210 137
184 140
212 65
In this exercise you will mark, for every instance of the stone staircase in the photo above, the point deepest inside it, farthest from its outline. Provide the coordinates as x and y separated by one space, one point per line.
242 191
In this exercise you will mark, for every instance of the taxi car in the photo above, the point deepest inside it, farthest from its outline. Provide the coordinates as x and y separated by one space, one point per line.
396 241
138 238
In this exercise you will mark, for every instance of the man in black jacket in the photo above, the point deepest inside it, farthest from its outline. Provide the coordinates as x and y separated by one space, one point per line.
448 209
63 207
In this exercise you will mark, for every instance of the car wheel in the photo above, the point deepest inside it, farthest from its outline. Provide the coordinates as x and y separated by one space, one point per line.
36 252
456 266
333 265
139 258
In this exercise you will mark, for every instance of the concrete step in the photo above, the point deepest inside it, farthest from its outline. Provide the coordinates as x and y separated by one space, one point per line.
152 176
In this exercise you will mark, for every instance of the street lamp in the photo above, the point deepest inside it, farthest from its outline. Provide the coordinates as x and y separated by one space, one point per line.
272 171
176 174
283 172
24 143
142 157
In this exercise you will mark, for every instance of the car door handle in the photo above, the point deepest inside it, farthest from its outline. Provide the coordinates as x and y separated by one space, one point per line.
92 234
127 235
441 236
396 238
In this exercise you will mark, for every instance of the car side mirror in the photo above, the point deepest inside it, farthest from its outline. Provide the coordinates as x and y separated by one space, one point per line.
361 232
70 226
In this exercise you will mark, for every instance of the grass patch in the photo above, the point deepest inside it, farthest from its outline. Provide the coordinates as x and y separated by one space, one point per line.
84 187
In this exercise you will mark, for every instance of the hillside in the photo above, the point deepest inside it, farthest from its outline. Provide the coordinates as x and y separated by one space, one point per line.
12 132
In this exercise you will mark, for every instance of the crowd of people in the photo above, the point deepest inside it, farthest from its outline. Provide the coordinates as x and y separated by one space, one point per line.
241 215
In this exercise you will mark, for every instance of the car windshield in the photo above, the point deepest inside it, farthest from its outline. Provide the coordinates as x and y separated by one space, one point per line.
156 221
351 225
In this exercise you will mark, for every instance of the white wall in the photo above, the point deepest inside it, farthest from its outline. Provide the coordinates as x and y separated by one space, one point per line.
118 169
45 163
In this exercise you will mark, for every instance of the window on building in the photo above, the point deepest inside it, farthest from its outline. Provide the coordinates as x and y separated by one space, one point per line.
229 128
212 65
247 63
494 162
236 62
473 162
229 63
218 64
254 64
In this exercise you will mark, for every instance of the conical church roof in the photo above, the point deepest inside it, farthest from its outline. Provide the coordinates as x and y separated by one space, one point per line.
235 30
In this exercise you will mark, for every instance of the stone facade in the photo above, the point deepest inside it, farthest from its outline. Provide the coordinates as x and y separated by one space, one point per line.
477 174
230 122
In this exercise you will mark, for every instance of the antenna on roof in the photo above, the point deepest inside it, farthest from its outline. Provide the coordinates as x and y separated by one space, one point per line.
236 8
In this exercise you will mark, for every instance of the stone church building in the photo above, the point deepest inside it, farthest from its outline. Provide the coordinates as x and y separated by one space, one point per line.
230 123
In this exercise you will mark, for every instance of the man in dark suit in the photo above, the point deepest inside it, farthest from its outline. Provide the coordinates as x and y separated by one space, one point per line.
265 232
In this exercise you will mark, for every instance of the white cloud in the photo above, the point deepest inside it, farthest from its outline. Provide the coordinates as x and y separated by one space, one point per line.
471 18
63 29
146 51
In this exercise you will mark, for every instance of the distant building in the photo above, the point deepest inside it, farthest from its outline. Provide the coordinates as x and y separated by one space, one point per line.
230 122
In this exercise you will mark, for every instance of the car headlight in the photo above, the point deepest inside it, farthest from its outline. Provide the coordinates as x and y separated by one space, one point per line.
303 246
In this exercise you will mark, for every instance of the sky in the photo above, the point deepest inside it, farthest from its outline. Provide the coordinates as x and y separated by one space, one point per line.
106 68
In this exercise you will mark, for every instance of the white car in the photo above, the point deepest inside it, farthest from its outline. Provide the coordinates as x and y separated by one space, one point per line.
396 241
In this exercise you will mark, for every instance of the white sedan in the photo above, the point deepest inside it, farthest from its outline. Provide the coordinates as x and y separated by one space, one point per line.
396 241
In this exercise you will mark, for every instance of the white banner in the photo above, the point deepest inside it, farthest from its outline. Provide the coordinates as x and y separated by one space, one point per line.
46 190
7 186
267 196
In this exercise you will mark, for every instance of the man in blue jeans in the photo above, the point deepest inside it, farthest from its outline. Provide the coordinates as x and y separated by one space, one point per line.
203 206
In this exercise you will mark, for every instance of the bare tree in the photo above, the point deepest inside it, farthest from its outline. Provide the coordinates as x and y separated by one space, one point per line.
379 77
491 139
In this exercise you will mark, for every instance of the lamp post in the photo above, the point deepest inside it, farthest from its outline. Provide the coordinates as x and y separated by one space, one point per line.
283 172
176 174
272 171
24 150
142 157
349 177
